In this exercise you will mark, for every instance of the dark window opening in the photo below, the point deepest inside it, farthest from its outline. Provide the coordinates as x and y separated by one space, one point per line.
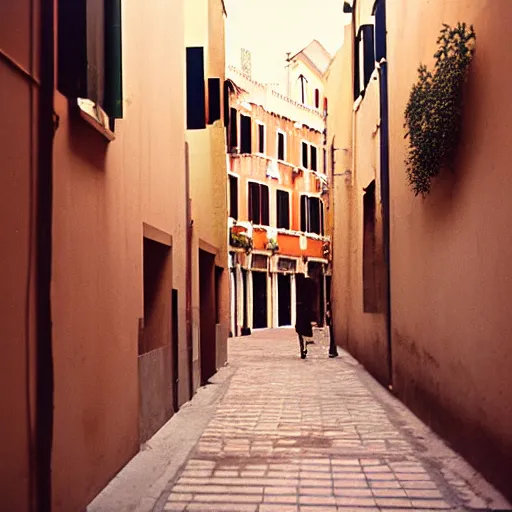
196 103
91 67
258 204
305 155
314 159
370 302
317 98
233 128
369 53
218 288
380 31
364 59
283 209
303 88
245 134
233 197
325 161
261 139
280 146
213 100
287 265
311 215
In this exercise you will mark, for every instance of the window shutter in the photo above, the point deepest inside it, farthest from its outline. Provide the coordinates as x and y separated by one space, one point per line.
213 100
96 51
233 128
314 159
113 102
380 31
286 210
261 138
357 57
303 213
196 103
233 197
280 146
304 155
246 134
254 203
369 53
314 215
265 214
322 226
72 48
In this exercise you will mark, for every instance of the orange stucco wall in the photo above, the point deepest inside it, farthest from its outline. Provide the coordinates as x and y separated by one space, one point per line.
451 252
18 170
103 193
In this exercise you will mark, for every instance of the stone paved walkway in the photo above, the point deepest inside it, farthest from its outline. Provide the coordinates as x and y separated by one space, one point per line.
317 436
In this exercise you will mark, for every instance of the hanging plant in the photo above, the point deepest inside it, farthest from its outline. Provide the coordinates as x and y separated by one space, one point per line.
433 114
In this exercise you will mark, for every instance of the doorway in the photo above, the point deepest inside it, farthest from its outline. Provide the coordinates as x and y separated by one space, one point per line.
259 308
207 313
284 299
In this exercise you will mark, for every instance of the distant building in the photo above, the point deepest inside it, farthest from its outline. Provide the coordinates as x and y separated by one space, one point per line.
277 205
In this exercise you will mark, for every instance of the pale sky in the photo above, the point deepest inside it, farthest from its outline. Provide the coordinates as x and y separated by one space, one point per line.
270 28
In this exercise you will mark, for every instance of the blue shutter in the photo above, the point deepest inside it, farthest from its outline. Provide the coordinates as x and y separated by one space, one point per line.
196 103
369 52
380 31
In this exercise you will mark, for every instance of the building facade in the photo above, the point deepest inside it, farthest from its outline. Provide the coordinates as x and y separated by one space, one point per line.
419 283
207 178
277 197
102 340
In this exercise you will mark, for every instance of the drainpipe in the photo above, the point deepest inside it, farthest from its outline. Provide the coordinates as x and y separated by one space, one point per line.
44 198
189 273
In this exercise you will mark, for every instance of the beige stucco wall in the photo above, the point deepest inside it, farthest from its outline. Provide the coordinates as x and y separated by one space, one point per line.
451 252
18 170
204 27
102 195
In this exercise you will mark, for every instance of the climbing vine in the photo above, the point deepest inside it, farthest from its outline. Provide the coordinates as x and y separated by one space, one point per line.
433 114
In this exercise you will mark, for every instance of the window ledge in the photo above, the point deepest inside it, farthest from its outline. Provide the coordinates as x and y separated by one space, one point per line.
93 114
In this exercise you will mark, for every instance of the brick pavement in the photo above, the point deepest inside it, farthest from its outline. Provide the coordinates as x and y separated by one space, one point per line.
316 436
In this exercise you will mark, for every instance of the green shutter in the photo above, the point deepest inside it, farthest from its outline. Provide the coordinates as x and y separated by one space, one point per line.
113 102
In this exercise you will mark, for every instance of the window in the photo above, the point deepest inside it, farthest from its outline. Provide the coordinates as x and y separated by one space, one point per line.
370 301
281 152
261 138
313 164
380 30
213 100
325 161
245 134
283 209
233 197
317 98
196 104
305 155
311 215
258 204
89 53
287 265
303 86
364 59
233 128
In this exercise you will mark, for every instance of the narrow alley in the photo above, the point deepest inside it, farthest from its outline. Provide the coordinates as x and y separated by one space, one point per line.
318 435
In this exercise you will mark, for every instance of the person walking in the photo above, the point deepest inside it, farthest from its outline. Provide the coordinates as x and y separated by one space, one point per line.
333 349
303 326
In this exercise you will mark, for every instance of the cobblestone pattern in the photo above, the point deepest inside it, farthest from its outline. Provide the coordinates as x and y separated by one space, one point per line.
306 436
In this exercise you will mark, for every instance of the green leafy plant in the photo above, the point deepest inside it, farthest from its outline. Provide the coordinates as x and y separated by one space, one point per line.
272 245
433 114
241 241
